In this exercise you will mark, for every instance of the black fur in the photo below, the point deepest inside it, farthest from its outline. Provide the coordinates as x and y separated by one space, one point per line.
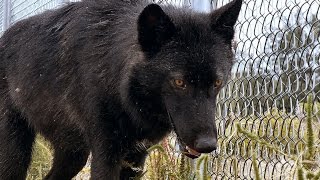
100 76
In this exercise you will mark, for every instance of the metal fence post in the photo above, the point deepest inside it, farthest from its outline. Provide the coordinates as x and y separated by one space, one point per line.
6 14
213 4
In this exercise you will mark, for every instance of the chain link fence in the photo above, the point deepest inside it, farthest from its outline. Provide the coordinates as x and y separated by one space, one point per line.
277 46
21 9
277 68
12 11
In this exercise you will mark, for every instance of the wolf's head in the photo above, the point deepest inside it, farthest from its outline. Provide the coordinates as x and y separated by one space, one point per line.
188 60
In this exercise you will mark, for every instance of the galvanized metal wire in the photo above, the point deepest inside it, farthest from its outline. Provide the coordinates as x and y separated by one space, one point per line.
21 9
277 47
1 16
277 67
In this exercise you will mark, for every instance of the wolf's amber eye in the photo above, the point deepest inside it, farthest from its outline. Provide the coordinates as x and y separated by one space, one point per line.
218 83
179 83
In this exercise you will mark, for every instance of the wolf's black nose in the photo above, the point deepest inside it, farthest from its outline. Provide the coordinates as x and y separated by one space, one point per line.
205 145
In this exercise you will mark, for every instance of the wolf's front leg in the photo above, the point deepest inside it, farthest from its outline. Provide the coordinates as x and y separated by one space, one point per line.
106 164
106 151
133 163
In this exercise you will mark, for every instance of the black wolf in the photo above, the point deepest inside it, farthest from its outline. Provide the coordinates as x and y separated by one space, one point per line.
111 78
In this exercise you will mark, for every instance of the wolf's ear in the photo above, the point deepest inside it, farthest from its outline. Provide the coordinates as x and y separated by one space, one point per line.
224 19
154 28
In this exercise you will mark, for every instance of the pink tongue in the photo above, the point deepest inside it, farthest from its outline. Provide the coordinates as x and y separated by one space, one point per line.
193 152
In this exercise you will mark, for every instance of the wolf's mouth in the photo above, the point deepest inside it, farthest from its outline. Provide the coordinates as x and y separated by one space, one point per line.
186 150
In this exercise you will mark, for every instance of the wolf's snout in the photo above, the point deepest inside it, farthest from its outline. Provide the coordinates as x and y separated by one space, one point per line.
205 145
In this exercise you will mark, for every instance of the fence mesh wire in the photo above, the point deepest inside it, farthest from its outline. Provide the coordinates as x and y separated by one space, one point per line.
1 16
21 9
277 67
